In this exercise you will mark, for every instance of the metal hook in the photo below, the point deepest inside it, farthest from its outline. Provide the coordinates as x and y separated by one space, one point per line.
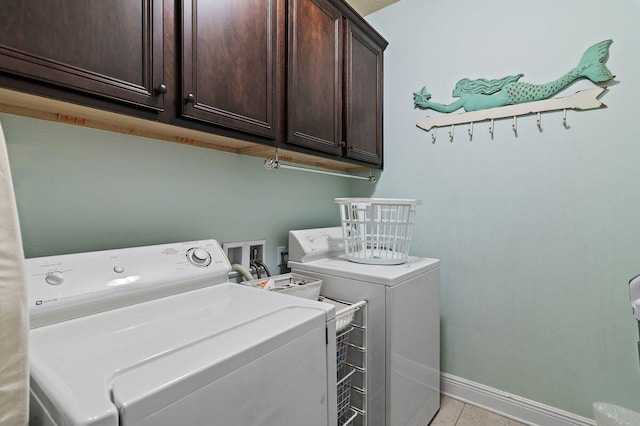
434 134
491 128
564 118
470 131
539 121
452 132
515 124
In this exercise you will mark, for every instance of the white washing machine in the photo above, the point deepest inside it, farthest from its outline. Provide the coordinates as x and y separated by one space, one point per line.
403 337
142 336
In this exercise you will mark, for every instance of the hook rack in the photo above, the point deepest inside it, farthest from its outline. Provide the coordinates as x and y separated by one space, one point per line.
579 101
539 121
273 164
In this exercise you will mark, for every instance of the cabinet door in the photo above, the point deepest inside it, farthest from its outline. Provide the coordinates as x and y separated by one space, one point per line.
363 97
315 76
230 65
108 48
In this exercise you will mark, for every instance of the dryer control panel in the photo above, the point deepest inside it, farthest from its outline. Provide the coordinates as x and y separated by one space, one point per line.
306 245
74 285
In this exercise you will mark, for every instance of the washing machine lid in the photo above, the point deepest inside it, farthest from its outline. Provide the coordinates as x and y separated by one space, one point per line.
388 275
141 356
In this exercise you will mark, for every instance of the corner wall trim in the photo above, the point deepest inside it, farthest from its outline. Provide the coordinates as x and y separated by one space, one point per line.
508 405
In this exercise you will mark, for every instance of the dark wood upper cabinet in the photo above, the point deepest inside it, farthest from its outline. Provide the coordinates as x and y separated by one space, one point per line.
230 66
334 81
314 83
304 76
112 49
363 96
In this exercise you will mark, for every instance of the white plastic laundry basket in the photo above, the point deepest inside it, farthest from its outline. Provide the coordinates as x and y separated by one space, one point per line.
377 230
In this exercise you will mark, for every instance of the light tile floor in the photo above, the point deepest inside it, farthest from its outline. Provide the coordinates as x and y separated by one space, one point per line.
456 413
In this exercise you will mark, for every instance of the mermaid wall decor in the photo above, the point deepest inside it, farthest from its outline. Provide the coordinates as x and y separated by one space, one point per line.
483 94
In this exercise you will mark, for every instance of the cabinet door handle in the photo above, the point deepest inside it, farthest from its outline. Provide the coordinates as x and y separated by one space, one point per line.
351 147
191 99
161 90
343 144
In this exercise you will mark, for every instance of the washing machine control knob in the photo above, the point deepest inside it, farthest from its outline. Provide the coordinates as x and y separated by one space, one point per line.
54 278
198 256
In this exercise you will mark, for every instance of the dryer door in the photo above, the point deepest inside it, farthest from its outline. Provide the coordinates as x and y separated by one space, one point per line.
267 372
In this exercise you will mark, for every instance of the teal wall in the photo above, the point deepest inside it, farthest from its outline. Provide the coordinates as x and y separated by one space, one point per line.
82 189
539 233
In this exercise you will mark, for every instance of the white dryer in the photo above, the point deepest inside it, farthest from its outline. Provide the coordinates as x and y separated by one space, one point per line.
403 309
142 336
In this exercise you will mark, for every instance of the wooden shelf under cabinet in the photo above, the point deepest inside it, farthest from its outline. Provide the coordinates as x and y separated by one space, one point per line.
18 103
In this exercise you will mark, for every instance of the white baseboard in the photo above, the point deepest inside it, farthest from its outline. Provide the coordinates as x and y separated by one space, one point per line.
508 405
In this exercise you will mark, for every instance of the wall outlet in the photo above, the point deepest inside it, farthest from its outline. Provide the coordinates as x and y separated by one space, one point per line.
280 261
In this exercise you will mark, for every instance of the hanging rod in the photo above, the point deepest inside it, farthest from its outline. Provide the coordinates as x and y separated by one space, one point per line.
271 164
